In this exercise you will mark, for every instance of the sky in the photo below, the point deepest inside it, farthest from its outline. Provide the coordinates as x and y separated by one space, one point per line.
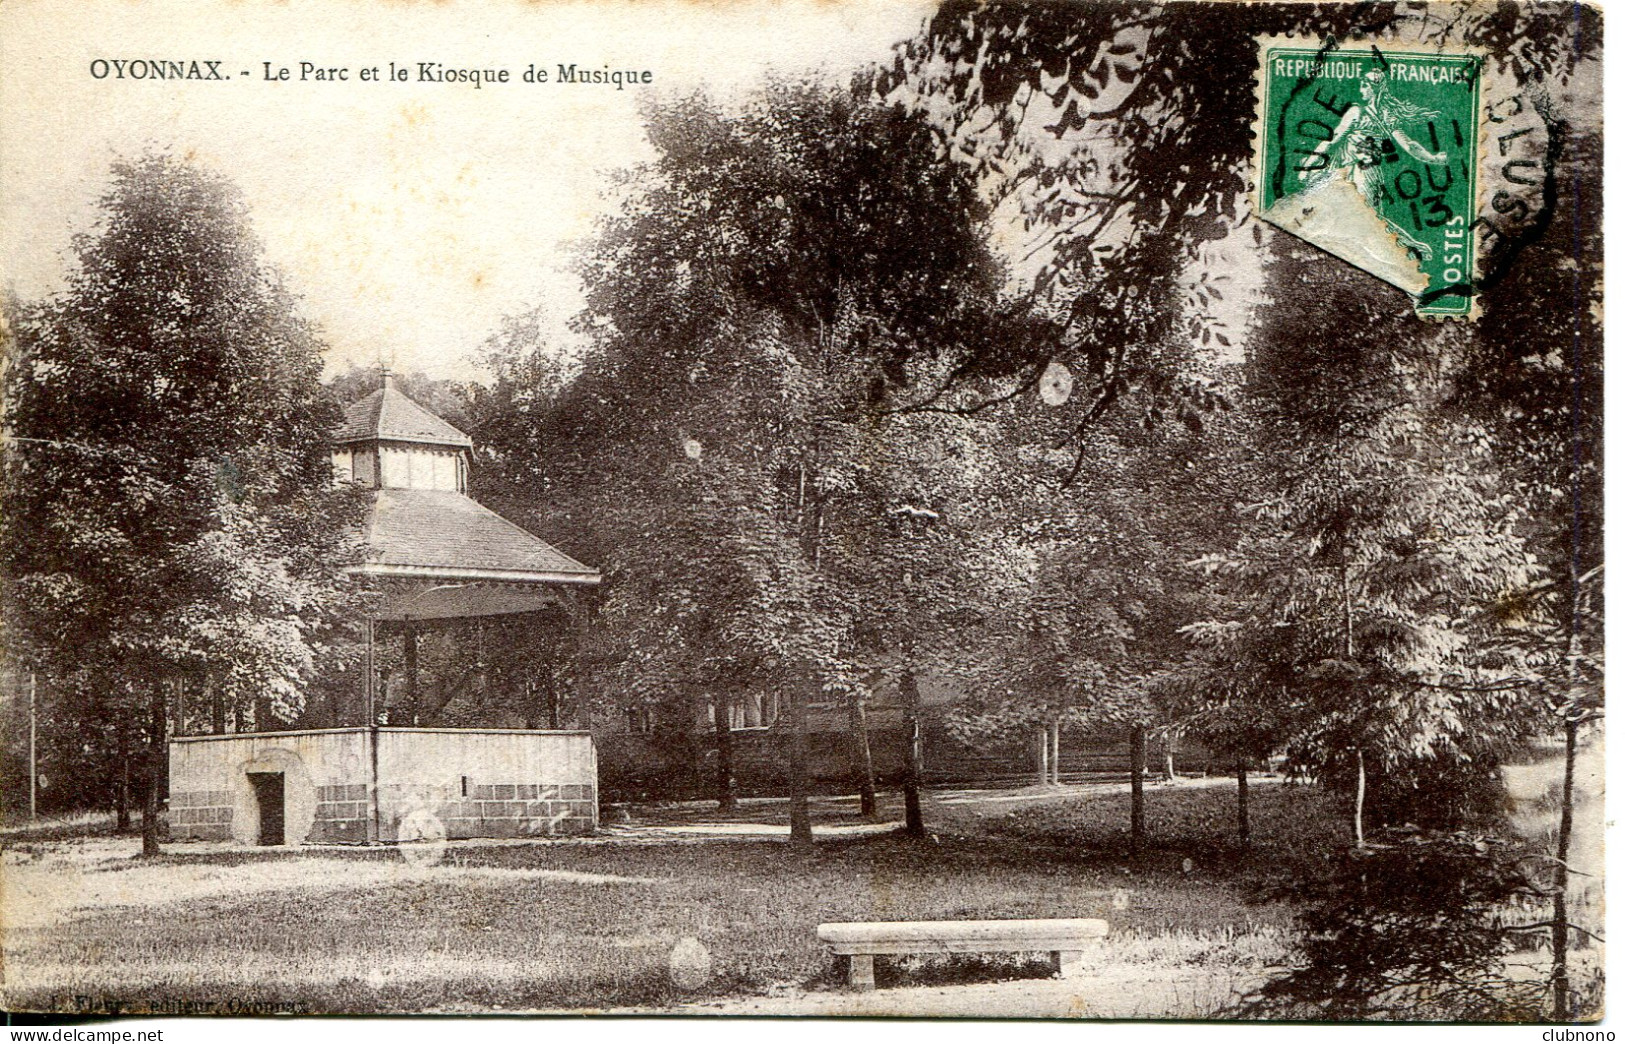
409 217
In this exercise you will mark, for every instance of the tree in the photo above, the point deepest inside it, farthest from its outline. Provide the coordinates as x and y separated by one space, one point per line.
171 515
1098 589
1375 593
917 560
1487 431
1411 930
771 278
1142 166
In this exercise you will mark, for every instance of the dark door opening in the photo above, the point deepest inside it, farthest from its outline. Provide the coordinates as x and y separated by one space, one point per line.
268 796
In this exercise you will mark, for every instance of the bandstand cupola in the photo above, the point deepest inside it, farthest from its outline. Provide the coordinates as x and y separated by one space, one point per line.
388 441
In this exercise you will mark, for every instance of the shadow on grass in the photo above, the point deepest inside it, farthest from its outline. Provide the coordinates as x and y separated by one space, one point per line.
179 856
941 969
66 828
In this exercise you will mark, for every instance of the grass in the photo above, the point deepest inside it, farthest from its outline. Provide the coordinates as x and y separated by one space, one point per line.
591 924
1293 826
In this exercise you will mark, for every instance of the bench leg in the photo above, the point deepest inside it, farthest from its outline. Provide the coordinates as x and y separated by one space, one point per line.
1068 963
860 972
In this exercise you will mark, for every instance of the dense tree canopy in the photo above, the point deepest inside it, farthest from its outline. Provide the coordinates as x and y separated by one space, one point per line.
771 281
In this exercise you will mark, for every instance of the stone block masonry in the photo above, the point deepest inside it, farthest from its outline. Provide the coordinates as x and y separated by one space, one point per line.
342 813
204 815
495 809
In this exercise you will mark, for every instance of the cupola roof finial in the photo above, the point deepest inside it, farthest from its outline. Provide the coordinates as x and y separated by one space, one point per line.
390 415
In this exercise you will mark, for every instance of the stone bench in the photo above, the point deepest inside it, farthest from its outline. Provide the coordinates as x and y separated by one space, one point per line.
1065 939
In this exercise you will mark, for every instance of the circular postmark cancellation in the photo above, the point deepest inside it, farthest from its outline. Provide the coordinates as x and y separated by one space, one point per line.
1373 154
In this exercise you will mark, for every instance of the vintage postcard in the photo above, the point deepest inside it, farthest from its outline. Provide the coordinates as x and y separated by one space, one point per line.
1003 509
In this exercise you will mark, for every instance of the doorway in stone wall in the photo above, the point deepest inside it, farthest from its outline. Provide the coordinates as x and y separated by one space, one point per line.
270 799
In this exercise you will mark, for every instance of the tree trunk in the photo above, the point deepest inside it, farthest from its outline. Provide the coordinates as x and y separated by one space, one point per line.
1243 829
1043 756
800 815
811 532
1348 653
1136 788
1561 1000
217 708
863 758
725 755
908 687
1359 799
409 638
121 789
33 746
1055 752
1168 773
155 773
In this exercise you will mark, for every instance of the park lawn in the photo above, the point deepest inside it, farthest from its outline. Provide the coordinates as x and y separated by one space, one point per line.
1195 819
590 924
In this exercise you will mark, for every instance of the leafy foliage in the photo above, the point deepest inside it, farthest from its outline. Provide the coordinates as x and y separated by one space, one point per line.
1414 930
170 504
1094 622
726 449
1368 614
1116 137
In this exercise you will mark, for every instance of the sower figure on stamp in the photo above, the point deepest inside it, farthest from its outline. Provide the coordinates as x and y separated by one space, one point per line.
1365 139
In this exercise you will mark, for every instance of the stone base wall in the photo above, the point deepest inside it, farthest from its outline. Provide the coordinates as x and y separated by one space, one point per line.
200 815
212 798
489 810
487 783
496 809
342 813
455 781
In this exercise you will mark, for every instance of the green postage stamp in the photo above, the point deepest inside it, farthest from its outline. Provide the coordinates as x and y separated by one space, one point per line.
1372 154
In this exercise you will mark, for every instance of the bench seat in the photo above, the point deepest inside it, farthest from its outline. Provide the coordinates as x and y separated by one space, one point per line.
1065 939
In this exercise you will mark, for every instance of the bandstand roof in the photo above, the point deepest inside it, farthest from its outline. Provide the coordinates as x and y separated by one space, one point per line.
445 535
441 553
